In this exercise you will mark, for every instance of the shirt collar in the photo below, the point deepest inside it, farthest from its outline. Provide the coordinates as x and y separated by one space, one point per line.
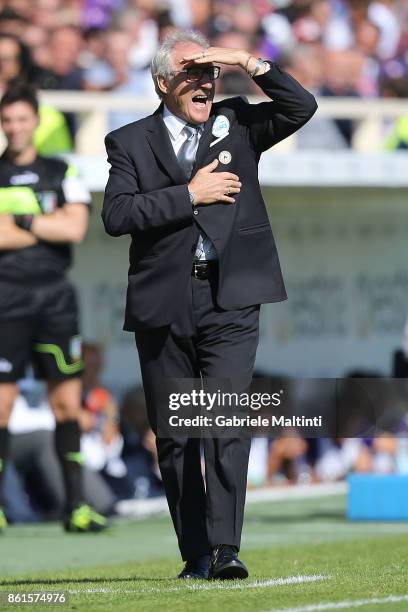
174 124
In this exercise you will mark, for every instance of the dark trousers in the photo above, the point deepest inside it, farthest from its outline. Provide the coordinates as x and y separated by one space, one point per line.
208 341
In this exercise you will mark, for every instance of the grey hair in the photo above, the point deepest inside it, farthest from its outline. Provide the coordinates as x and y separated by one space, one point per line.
161 64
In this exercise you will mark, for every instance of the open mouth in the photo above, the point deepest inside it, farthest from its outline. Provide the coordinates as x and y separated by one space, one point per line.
200 100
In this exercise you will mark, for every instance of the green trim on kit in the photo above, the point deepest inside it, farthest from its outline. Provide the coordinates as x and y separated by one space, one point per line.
72 171
63 366
75 456
18 201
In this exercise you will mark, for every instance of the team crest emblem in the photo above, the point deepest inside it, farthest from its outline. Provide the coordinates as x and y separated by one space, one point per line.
225 157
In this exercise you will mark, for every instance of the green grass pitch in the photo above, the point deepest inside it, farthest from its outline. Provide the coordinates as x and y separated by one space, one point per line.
302 555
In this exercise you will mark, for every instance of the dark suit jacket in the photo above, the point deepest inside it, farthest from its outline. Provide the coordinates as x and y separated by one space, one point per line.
147 197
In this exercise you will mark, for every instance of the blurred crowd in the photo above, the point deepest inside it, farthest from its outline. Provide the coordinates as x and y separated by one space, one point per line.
356 48
121 459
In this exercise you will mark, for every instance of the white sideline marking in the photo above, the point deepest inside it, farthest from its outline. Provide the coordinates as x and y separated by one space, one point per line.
226 585
338 605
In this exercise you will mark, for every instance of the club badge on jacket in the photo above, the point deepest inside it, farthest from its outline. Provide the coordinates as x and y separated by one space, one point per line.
220 129
225 157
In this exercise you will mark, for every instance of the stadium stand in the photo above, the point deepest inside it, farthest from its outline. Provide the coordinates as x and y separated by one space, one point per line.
90 59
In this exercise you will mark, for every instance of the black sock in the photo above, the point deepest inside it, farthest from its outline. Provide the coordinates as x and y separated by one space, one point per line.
67 443
4 438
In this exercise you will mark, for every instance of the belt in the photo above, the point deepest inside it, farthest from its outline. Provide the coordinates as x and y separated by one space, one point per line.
204 269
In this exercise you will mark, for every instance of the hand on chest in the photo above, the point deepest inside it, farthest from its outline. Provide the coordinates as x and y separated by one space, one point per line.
223 138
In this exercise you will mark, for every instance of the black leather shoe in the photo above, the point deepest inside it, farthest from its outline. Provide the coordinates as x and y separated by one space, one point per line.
196 568
225 565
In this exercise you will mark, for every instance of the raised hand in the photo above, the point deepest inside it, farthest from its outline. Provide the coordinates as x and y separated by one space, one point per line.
232 57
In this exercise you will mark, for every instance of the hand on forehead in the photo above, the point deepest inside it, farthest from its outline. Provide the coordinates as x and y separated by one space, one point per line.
183 50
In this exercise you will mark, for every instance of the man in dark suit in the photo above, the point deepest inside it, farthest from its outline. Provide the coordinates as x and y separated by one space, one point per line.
184 184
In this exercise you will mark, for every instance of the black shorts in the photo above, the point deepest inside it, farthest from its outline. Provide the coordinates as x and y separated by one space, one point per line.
39 326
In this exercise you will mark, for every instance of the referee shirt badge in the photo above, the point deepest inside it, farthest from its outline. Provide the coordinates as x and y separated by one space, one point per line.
48 200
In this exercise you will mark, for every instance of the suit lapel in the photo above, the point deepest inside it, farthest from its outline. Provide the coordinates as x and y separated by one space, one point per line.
161 146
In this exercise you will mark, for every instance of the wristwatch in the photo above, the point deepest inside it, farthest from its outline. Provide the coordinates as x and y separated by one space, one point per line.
192 198
24 222
258 66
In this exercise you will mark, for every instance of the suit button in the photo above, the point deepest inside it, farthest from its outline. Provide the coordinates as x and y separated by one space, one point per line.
195 212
